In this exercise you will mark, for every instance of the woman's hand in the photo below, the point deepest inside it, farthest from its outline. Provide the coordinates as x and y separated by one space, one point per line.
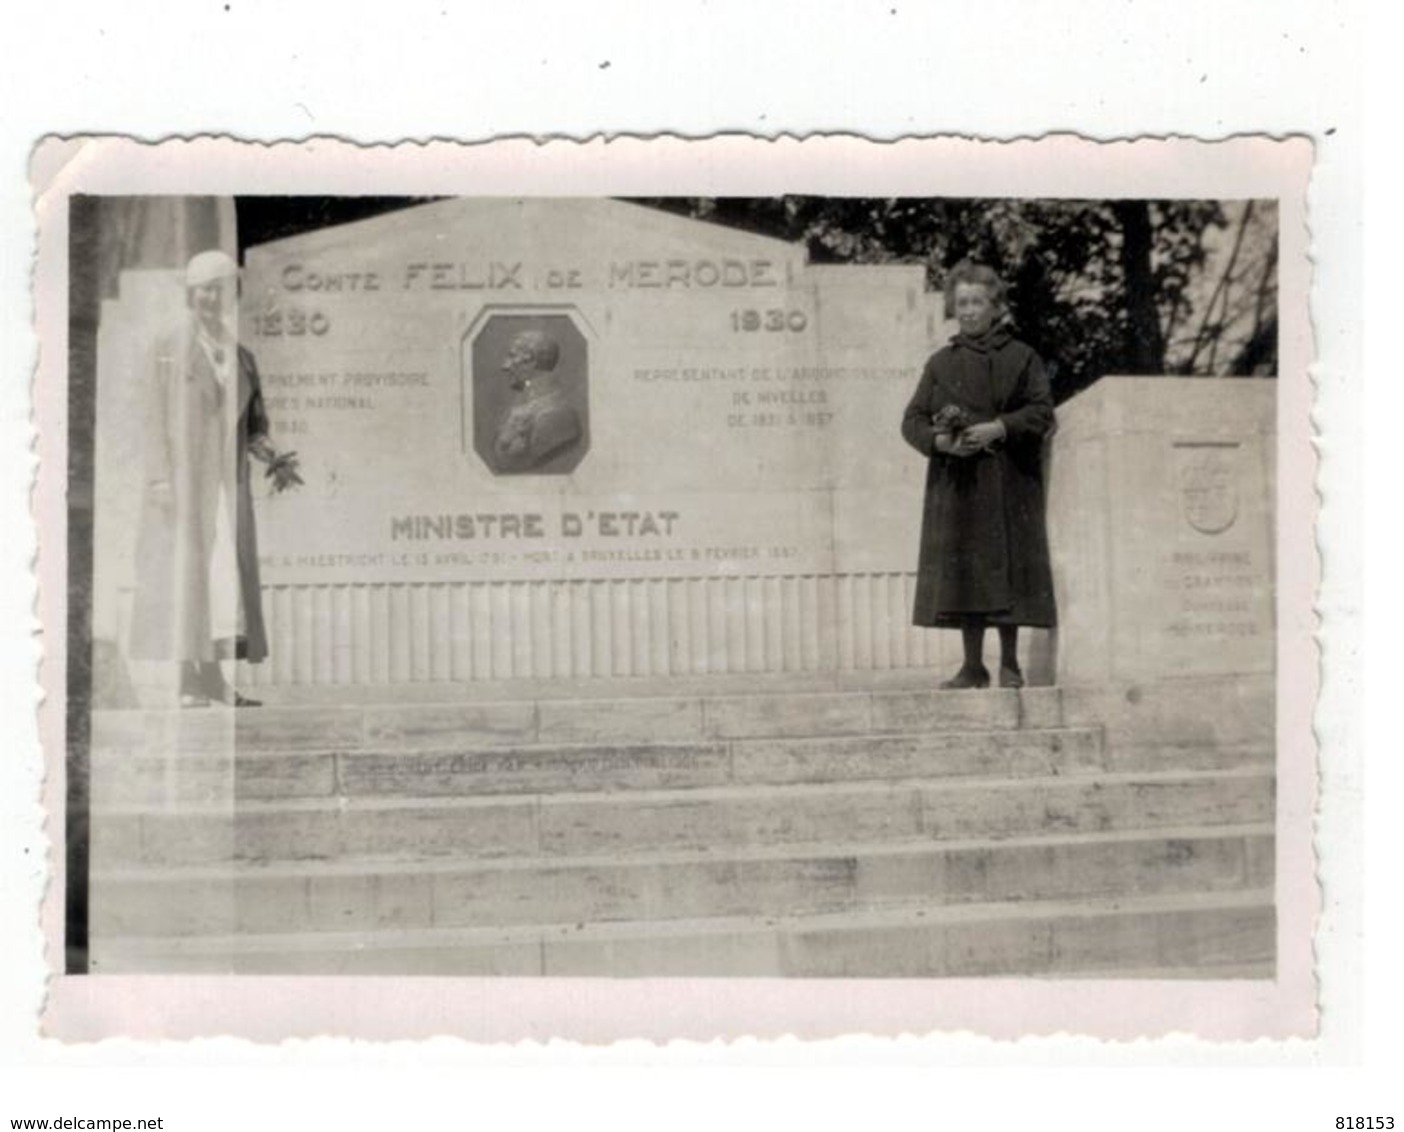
262 448
978 437
946 445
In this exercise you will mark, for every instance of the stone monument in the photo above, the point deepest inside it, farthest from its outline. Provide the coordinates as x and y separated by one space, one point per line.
582 439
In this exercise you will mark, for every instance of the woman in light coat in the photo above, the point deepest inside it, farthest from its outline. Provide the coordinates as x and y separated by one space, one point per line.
198 599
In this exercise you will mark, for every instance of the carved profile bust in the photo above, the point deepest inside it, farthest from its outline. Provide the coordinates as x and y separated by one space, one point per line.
539 421
527 385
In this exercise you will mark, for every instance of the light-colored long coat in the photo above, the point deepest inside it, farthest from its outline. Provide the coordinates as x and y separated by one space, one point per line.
189 448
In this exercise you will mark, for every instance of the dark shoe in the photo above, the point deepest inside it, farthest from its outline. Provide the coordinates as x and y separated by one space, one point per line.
1010 677
969 678
244 701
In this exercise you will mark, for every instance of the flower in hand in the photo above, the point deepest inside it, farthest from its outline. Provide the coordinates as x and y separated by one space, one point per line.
951 418
952 423
283 471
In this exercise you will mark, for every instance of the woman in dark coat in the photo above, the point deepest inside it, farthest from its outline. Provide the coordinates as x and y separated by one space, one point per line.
980 414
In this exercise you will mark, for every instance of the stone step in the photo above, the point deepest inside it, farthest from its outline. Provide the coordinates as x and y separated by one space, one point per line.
705 685
219 779
473 725
699 819
330 896
1198 935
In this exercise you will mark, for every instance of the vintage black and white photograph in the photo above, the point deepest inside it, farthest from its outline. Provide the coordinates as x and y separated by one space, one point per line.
799 586
636 565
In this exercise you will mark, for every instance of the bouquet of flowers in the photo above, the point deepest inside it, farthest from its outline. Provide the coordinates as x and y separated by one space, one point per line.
282 467
952 419
283 471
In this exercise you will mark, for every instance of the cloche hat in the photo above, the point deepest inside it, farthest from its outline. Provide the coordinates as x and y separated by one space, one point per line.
207 267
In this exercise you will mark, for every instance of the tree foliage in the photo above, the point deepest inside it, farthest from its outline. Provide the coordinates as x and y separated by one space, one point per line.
1097 287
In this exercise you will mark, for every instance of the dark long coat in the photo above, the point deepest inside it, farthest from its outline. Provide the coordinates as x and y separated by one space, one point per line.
188 449
984 541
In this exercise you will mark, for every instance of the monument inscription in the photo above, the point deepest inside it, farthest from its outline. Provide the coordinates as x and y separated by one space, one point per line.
573 389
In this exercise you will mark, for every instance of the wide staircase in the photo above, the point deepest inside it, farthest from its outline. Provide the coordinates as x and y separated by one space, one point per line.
880 832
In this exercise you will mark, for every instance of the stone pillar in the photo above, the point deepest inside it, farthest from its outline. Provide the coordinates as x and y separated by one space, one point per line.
1162 529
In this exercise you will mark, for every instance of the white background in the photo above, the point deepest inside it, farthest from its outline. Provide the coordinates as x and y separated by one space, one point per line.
997 68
